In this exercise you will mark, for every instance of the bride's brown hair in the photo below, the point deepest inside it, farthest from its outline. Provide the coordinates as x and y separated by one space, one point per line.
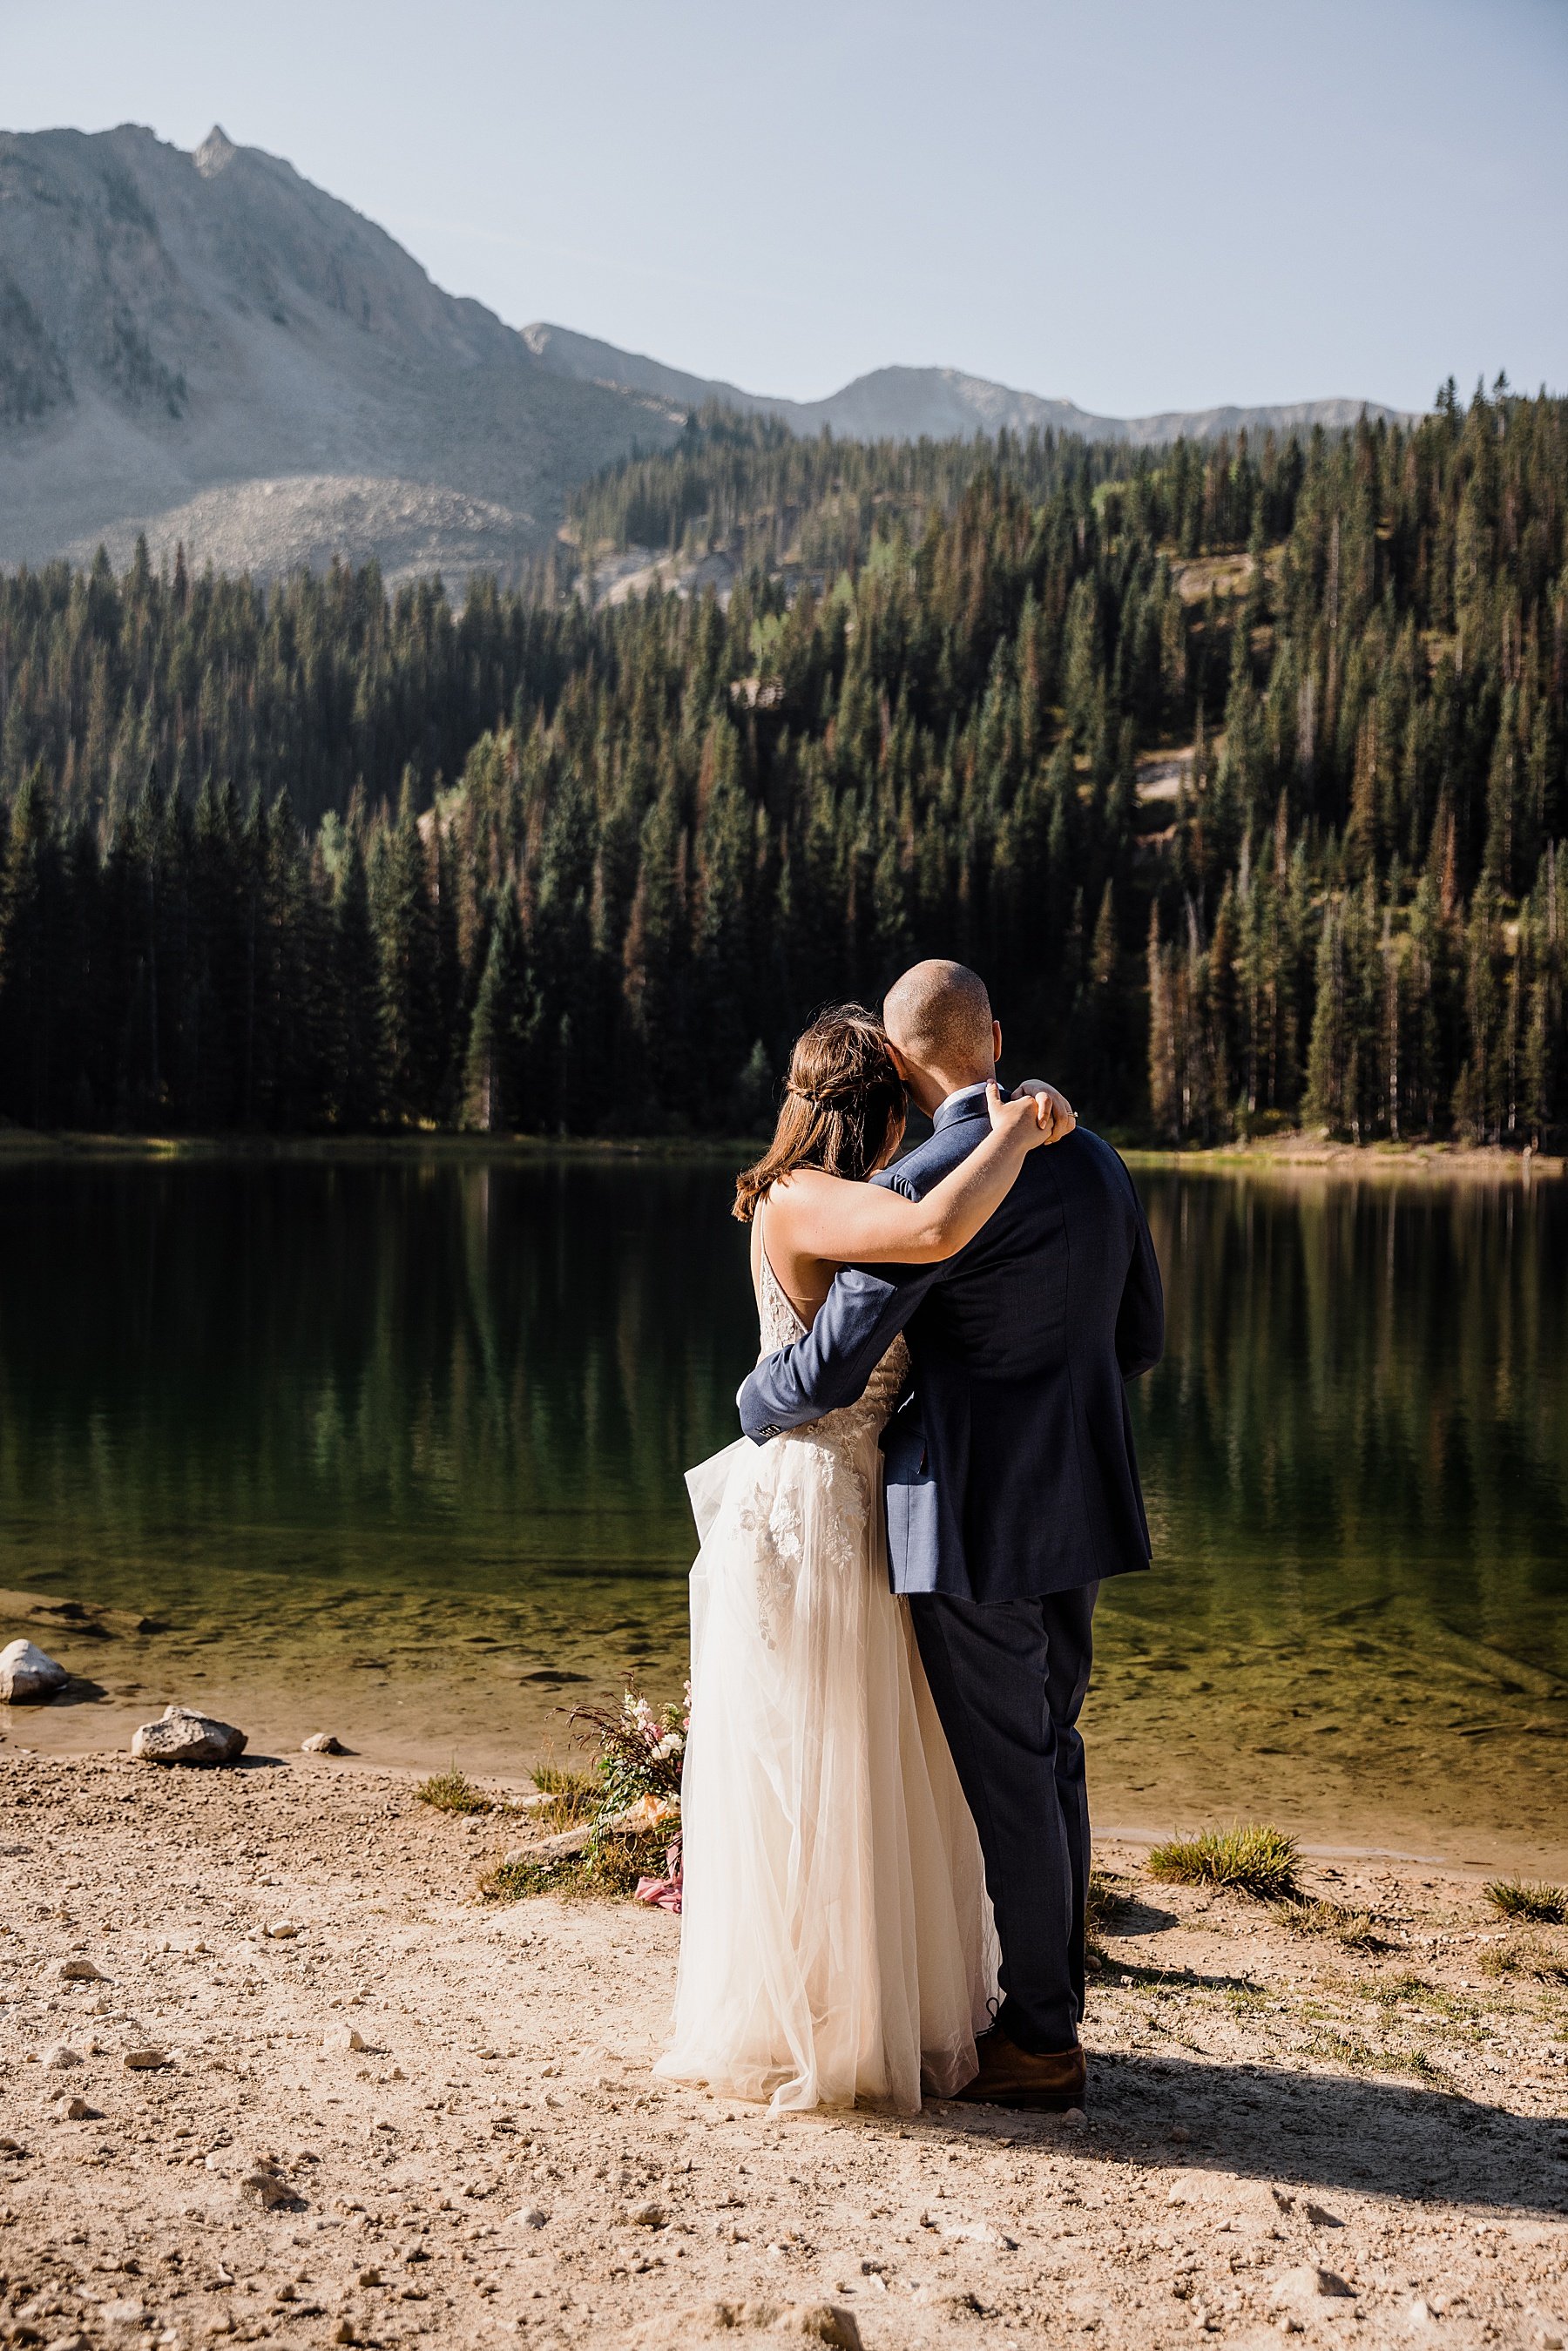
842 1100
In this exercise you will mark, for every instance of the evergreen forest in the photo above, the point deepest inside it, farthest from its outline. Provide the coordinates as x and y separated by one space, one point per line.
1241 772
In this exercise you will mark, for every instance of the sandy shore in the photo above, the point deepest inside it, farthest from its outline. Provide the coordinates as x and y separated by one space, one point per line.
1284 2134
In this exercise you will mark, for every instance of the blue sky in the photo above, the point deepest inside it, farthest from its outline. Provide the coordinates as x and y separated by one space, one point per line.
1136 205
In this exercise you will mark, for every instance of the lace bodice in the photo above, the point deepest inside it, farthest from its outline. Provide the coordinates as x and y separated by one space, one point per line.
781 1326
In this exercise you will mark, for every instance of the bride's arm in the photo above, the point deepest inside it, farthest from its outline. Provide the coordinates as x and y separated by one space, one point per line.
843 1223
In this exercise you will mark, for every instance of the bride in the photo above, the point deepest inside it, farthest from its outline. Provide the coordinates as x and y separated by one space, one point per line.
836 1943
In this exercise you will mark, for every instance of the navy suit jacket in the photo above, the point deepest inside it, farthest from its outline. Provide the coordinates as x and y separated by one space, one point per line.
1010 1460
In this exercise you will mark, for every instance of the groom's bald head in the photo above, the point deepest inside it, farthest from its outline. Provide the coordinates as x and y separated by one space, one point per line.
939 1023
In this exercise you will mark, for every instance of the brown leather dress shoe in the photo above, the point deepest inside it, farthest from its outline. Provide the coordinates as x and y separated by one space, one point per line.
1047 2081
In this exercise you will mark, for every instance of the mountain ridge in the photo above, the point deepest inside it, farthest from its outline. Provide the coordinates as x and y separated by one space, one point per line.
904 403
206 347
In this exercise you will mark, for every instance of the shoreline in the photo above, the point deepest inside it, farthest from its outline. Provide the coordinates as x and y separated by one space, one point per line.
97 1737
1290 1153
313 2091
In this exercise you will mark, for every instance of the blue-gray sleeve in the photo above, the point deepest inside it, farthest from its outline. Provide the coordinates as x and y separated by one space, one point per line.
859 1320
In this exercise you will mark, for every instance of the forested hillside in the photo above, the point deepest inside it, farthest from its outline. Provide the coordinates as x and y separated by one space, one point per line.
1242 773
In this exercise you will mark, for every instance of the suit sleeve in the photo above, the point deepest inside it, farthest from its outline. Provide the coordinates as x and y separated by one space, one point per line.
858 1322
1141 1318
859 1318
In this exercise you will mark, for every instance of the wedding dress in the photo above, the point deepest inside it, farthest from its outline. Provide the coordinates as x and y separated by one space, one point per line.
837 1942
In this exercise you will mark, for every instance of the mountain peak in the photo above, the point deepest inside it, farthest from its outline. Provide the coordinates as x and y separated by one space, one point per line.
215 153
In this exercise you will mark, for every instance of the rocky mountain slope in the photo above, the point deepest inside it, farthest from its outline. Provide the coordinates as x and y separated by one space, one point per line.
209 349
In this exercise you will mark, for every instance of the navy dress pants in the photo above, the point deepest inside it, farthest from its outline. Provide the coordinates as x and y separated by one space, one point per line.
1008 1679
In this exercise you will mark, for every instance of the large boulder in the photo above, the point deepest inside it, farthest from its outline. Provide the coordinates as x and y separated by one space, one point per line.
184 1736
28 1677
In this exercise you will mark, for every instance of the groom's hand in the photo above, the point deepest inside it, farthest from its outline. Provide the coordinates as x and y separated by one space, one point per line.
1061 1120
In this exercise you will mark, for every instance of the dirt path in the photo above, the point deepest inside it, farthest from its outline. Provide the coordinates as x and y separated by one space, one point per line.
1284 2134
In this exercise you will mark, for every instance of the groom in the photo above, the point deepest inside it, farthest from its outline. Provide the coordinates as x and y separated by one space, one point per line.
1012 1491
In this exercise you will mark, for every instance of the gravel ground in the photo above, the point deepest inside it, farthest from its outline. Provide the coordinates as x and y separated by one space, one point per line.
1288 2132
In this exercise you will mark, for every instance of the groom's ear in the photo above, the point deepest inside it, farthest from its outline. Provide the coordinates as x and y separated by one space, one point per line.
898 1060
997 1042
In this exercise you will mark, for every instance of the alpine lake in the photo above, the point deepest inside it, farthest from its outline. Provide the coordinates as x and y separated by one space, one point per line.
391 1445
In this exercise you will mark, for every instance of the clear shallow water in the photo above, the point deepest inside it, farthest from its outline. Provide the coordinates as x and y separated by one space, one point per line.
395 1449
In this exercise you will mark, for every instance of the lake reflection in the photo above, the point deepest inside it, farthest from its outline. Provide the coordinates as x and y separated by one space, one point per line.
395 1449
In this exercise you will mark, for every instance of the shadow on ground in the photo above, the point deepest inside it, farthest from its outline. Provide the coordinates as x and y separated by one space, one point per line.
1303 2130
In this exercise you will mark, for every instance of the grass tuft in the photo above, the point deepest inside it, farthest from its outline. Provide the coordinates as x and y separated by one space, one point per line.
556 1780
454 1792
1541 1906
1354 1931
1524 1957
1256 1860
607 1867
1101 1901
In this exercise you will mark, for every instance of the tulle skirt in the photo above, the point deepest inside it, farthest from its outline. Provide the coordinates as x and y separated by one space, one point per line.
837 1943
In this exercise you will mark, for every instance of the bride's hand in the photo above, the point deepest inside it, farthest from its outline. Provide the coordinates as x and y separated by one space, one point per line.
1065 1120
1025 1118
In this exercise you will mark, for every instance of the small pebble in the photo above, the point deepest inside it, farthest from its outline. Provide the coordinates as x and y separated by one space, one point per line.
58 2057
530 2216
80 1971
341 2037
144 2060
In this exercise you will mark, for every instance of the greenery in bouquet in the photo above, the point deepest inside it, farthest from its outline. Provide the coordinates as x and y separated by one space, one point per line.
641 1752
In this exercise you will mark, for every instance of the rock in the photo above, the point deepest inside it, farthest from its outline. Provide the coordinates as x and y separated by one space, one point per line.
77 2110
530 2216
980 2233
646 2216
26 1677
821 2322
123 2313
562 1846
81 1971
370 2276
344 2330
1309 2282
281 1930
181 1735
322 1742
145 2060
69 2343
59 2057
340 2037
1420 2313
265 2189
